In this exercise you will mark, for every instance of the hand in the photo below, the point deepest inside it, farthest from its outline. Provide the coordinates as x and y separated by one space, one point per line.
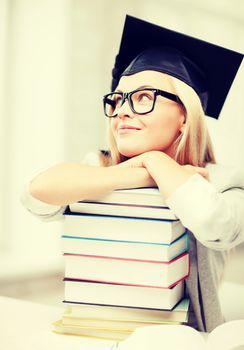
140 161
191 169
165 171
134 162
137 162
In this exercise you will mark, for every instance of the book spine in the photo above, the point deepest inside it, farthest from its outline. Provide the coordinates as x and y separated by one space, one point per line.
135 217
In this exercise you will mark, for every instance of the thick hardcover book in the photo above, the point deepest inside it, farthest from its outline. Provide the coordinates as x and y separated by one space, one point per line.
142 196
127 229
127 210
98 312
125 249
74 322
127 271
121 318
122 296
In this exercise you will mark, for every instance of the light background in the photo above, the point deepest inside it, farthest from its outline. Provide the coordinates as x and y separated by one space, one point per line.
55 64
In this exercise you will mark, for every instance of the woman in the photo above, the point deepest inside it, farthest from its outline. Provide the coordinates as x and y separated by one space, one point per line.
158 137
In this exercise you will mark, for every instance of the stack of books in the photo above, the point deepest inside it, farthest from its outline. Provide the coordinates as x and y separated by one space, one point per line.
126 258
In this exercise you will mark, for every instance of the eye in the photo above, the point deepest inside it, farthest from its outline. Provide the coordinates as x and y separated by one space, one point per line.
117 98
144 96
110 102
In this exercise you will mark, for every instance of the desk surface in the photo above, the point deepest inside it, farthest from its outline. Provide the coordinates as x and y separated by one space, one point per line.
26 326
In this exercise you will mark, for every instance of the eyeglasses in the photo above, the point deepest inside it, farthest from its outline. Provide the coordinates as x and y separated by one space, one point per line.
141 101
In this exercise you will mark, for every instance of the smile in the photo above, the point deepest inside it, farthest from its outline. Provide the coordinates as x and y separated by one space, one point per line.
123 129
126 131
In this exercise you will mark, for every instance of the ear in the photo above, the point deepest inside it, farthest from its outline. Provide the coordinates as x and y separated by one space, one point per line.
182 129
182 123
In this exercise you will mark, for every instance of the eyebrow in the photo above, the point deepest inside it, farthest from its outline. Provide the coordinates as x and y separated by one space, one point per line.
138 88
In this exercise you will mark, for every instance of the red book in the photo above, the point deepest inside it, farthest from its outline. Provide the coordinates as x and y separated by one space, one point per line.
127 271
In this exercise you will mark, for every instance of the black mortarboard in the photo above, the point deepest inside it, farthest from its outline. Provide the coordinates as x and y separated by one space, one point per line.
209 69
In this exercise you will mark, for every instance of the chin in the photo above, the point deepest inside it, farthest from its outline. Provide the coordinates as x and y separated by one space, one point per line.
131 152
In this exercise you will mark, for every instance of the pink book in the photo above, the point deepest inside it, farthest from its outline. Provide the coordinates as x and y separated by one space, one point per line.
162 274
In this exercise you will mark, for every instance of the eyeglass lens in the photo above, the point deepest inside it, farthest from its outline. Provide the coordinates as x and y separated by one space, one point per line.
140 101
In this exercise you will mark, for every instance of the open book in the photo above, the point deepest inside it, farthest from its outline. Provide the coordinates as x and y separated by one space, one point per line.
228 336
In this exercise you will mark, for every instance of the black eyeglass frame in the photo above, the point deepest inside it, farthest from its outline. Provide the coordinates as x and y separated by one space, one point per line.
127 96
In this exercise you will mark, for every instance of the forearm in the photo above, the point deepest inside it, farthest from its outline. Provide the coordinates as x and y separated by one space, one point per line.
215 218
166 172
66 183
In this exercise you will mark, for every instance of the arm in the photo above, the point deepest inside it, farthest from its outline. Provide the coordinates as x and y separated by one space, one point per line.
49 212
213 214
166 172
66 183
215 218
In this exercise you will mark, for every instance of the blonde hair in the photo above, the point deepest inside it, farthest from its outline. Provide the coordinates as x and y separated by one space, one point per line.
193 146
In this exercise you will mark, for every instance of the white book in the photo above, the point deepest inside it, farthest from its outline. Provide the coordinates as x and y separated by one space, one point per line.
127 229
96 333
121 296
108 325
136 196
121 318
127 210
127 271
124 249
228 336
112 328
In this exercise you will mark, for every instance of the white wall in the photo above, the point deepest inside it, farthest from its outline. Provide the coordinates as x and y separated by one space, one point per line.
3 62
35 117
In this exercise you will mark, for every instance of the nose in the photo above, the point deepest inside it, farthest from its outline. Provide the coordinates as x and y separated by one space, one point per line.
125 111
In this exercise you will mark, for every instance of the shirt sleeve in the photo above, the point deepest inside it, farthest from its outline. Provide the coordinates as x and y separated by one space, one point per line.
45 211
40 209
215 218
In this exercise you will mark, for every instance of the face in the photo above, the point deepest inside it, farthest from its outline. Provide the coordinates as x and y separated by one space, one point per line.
134 133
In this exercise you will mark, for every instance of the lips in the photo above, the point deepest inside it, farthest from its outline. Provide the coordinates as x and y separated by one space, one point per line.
127 127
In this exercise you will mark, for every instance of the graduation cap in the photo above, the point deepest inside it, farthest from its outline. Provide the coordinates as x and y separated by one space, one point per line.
209 69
